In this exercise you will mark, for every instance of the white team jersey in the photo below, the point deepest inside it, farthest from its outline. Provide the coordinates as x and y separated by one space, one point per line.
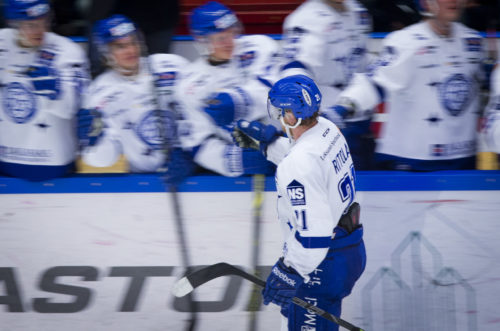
130 113
254 58
315 184
492 128
35 130
431 92
332 45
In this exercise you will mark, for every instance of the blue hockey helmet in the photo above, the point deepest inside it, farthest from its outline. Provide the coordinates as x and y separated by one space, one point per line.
297 93
113 28
26 9
210 18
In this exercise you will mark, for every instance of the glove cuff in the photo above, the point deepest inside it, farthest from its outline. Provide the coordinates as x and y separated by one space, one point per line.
346 107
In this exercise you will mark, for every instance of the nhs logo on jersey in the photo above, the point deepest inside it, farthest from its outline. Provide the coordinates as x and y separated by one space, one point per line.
296 193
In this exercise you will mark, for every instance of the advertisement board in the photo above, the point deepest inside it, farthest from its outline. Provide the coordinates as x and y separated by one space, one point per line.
100 257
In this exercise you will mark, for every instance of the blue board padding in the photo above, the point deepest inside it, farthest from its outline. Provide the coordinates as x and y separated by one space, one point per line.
366 181
373 35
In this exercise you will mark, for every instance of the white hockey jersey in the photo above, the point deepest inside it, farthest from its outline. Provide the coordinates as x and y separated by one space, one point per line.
35 130
316 184
430 86
492 127
331 45
129 106
247 77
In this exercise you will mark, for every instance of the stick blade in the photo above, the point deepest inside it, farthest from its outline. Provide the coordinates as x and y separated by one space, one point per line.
182 287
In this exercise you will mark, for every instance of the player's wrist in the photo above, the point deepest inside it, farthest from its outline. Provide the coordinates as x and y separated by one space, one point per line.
345 107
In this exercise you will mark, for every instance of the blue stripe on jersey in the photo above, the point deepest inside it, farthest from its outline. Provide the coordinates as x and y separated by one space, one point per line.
313 242
380 90
265 81
349 240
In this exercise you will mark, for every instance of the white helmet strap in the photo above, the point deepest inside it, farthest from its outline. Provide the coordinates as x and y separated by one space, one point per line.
288 127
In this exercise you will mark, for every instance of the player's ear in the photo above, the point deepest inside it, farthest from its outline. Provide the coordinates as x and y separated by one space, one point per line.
289 118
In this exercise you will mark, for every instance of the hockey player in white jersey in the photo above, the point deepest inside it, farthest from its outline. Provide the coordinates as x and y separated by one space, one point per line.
228 82
492 126
327 40
42 76
121 111
323 252
428 75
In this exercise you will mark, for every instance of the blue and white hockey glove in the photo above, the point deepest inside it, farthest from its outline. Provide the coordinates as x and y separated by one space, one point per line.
345 108
254 135
221 108
179 165
281 285
255 163
336 114
45 81
90 127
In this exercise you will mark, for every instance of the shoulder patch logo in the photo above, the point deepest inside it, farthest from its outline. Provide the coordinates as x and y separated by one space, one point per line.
297 193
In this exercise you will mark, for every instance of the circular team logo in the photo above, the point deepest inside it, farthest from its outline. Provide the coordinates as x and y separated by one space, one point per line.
149 129
455 94
19 103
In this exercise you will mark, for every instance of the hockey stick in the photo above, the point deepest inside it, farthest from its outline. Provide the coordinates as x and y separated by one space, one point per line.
254 302
179 220
188 283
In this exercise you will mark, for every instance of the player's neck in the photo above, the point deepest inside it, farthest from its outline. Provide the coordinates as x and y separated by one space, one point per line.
441 28
129 73
26 45
216 61
299 131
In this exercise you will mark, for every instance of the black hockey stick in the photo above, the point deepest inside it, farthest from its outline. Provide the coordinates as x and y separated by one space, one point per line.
188 283
253 306
167 145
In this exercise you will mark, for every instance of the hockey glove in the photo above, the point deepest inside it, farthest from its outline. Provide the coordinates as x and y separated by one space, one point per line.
344 109
255 163
45 81
90 127
336 115
254 135
221 108
179 165
281 285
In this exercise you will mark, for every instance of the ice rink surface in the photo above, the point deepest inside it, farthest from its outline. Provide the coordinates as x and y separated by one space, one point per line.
433 261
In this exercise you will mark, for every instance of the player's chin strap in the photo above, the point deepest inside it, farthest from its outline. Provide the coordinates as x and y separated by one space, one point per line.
288 127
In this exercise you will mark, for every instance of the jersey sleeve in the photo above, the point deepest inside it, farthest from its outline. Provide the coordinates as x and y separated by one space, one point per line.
303 47
277 150
108 149
391 71
165 69
72 69
258 61
492 127
303 190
